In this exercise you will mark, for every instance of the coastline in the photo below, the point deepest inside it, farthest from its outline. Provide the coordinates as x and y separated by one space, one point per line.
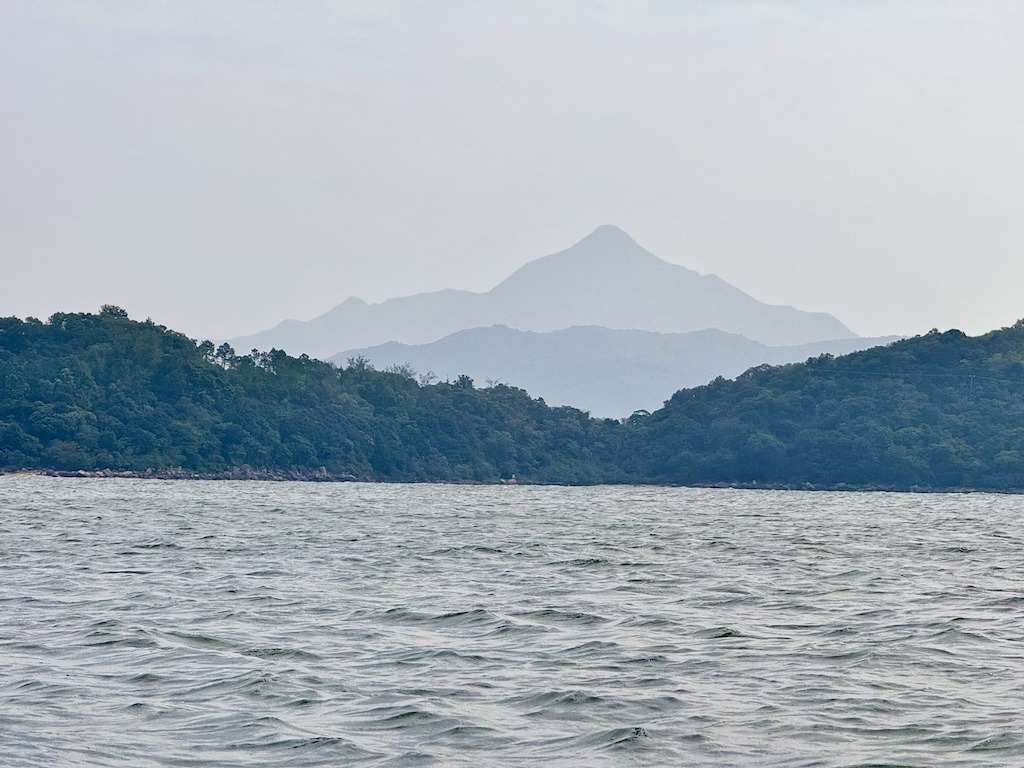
177 473
322 476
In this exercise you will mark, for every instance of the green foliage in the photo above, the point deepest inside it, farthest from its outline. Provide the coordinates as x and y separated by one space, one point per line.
112 310
939 410
86 391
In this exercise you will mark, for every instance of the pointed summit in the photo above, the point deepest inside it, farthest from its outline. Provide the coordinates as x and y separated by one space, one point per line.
607 249
608 236
605 242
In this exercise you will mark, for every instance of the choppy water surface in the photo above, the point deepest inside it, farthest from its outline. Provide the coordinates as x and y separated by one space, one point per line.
150 623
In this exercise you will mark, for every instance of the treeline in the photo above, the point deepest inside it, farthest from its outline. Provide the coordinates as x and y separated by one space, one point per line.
943 410
94 391
97 391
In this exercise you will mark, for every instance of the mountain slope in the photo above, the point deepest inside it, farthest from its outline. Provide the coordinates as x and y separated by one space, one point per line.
606 279
96 392
99 391
607 372
942 410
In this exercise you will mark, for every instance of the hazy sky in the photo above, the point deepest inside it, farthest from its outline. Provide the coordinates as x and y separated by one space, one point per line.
222 166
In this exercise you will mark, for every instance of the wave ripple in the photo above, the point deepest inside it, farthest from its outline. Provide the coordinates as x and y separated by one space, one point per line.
152 623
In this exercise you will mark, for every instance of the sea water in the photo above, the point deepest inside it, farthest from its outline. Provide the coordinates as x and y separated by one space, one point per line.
189 623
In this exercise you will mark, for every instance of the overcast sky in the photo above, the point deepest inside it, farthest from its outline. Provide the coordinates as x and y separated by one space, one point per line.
222 166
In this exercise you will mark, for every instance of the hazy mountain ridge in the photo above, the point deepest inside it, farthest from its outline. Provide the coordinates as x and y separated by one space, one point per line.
606 279
607 372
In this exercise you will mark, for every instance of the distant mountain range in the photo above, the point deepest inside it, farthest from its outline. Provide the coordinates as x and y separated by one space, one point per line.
604 280
607 372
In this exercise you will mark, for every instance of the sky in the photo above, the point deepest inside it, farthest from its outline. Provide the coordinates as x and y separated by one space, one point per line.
220 167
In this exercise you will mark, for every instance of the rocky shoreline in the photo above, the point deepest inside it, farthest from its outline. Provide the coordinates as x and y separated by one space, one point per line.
321 475
243 472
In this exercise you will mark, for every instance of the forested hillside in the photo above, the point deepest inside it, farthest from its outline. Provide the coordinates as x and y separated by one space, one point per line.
84 391
939 410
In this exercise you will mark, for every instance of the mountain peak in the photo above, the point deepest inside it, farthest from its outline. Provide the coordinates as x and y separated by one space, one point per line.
605 257
606 240
605 279
609 233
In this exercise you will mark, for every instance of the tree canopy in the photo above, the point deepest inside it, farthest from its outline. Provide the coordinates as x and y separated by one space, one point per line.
84 391
94 391
939 410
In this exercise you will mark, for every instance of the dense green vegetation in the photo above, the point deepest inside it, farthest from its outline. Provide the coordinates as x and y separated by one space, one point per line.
85 391
939 410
